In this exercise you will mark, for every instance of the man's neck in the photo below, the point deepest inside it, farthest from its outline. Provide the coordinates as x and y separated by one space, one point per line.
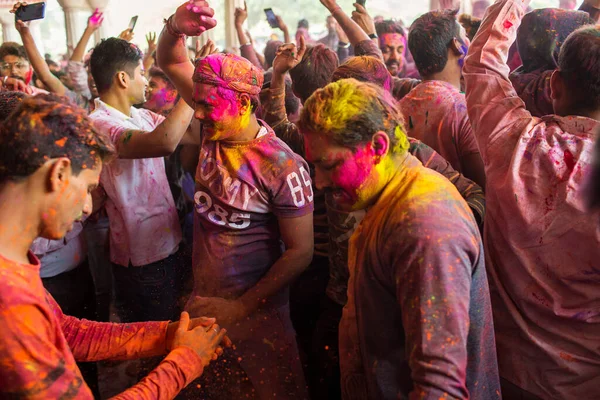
250 132
446 75
118 101
20 225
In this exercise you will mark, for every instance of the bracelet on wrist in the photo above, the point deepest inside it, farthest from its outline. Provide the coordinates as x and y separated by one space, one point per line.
172 31
343 45
373 36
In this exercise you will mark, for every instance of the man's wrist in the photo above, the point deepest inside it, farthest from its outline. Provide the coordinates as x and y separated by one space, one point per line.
171 27
373 35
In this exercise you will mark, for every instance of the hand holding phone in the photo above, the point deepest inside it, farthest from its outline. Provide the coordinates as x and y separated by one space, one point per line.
271 18
361 2
29 12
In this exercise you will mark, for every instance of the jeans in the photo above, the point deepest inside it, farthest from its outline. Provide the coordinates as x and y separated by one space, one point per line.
149 292
74 293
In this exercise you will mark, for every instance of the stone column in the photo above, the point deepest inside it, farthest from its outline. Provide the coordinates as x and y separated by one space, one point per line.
231 39
9 33
71 9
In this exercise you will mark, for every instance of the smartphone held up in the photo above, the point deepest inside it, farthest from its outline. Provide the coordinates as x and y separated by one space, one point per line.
31 12
271 18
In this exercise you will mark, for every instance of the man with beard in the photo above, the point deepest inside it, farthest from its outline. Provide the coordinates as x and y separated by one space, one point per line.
392 42
15 69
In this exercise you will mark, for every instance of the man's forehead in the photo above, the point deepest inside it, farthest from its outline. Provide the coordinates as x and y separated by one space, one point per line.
391 39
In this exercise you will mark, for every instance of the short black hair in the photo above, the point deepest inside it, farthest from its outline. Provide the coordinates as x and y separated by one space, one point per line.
389 26
9 101
314 71
12 49
110 57
47 126
579 65
429 38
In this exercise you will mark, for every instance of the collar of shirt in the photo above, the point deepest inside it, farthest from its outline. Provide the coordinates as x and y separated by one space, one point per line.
115 114
575 125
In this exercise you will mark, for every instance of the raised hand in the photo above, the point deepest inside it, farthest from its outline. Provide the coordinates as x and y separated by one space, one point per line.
151 40
203 340
241 15
127 35
20 25
363 19
193 18
206 50
280 23
95 20
288 56
330 4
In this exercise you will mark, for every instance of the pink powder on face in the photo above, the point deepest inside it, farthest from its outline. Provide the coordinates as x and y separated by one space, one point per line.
352 176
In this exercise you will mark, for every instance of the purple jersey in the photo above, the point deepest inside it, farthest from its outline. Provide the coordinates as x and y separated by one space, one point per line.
242 188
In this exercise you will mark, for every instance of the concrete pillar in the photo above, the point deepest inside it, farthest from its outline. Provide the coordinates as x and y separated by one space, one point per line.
74 30
9 33
231 39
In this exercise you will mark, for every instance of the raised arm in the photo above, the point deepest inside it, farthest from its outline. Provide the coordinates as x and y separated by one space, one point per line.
274 110
191 18
149 55
353 30
246 47
284 28
160 142
592 7
36 59
495 110
94 22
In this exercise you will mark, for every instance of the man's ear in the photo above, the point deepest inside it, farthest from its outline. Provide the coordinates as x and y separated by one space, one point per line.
59 174
557 85
122 79
380 144
245 103
456 47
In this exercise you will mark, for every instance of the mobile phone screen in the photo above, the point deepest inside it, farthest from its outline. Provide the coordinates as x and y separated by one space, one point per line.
31 12
132 23
271 18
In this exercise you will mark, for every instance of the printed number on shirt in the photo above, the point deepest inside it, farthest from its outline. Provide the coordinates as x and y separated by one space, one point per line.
218 215
293 181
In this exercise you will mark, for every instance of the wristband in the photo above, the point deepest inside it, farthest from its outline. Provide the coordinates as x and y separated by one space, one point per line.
172 31
373 36
343 45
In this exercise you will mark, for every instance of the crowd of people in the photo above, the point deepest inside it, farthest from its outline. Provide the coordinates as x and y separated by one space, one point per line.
387 212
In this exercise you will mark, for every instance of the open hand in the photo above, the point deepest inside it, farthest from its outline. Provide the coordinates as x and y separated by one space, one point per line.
95 20
363 19
288 56
204 339
193 18
127 35
206 50
151 40
20 25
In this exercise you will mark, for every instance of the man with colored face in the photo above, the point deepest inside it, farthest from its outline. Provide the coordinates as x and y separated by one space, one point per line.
161 95
15 69
253 194
50 162
435 111
392 42
418 299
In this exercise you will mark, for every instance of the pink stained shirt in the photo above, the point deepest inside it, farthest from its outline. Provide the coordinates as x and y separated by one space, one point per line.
39 345
144 227
435 112
542 246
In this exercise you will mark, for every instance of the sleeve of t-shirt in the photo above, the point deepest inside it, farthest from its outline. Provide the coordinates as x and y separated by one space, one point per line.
31 366
293 193
432 266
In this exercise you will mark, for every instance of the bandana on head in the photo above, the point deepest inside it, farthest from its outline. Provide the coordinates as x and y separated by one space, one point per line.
229 71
